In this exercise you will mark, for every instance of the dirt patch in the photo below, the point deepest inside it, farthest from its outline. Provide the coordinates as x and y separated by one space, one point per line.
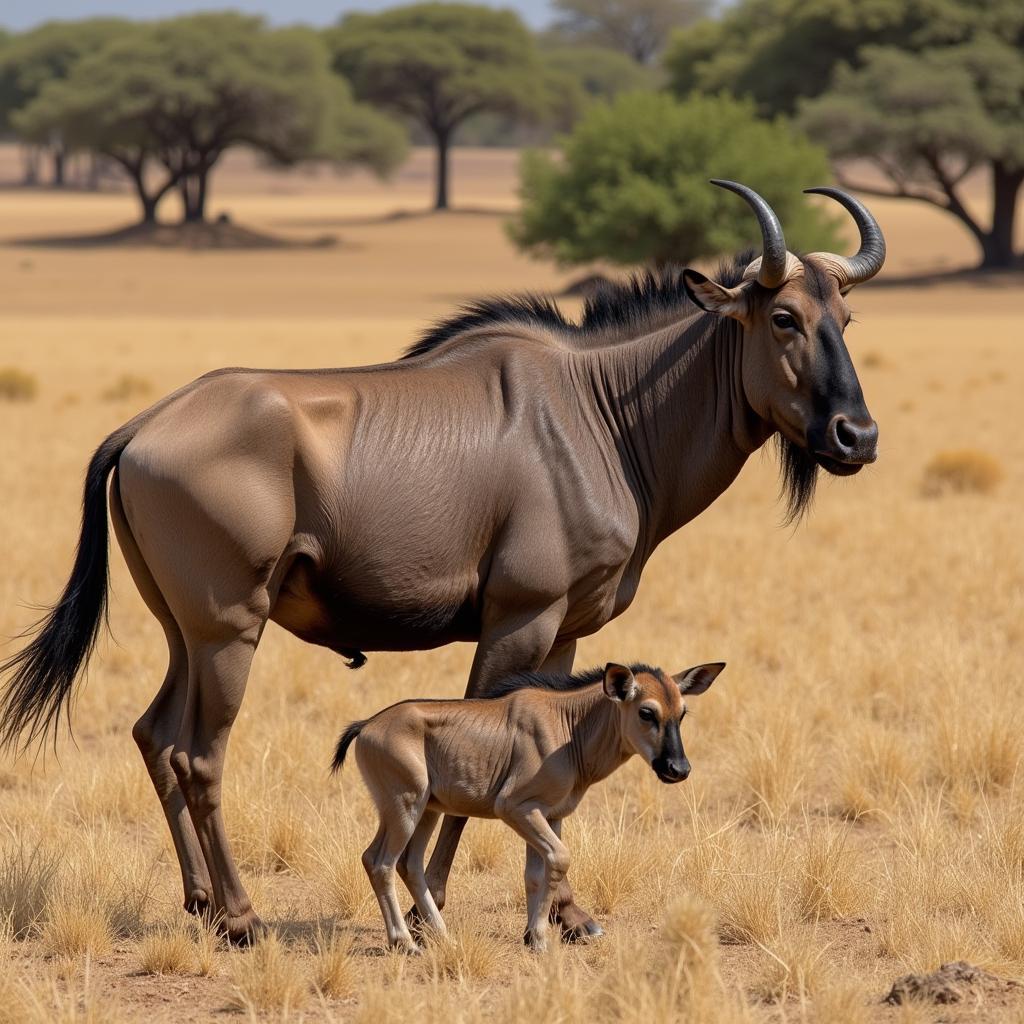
951 983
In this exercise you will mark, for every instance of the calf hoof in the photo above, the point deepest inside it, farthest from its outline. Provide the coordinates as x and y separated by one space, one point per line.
244 930
409 948
538 943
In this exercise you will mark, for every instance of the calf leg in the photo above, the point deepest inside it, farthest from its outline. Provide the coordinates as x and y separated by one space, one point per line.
410 868
396 829
533 882
576 924
554 856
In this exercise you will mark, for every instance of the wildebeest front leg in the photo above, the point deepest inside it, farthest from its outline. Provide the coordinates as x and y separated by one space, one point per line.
502 650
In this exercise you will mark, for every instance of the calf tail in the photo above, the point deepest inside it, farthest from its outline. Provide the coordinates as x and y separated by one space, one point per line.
350 733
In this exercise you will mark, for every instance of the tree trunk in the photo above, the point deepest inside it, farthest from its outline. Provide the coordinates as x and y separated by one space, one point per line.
59 164
31 155
193 188
199 199
443 138
997 247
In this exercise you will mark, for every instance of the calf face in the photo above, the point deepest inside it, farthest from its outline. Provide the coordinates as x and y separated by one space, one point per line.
651 709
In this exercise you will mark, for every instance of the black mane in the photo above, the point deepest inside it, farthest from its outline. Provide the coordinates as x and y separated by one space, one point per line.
618 306
615 305
561 682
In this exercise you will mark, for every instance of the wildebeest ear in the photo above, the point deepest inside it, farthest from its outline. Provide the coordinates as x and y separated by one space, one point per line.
619 682
696 680
713 297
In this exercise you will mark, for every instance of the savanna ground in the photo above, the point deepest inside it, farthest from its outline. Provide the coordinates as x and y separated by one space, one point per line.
856 809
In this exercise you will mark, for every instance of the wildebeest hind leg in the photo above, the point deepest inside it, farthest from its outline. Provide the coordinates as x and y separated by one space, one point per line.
218 669
156 731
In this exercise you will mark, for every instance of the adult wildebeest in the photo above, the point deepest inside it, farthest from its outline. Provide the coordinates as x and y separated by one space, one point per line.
527 754
505 483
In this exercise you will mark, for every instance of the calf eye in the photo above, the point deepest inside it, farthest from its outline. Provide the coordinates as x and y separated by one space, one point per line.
783 321
647 715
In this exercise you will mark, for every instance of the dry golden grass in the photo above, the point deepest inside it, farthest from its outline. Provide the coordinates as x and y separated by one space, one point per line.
128 386
167 950
856 807
964 471
335 970
16 385
266 978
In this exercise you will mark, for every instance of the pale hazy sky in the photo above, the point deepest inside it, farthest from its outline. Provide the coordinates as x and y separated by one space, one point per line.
19 14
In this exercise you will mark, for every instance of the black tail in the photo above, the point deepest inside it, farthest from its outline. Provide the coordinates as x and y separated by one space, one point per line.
350 733
44 672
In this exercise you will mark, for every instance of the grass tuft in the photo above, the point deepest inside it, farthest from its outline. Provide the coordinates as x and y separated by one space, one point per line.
267 977
964 471
17 385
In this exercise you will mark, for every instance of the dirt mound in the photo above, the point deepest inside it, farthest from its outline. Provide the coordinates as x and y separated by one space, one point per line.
219 234
951 983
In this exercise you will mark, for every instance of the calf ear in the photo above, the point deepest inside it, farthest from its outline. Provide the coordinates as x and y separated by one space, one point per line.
713 297
619 683
696 680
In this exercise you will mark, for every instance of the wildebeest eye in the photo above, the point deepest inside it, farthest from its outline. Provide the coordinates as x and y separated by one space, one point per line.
784 321
648 715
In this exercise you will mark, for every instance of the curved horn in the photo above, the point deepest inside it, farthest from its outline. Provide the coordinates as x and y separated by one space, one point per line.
772 271
851 270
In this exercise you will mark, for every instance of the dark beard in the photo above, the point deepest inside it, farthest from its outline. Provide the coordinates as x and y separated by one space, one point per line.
798 478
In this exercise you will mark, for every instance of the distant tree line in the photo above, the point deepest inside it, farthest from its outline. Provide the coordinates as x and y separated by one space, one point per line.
906 98
164 101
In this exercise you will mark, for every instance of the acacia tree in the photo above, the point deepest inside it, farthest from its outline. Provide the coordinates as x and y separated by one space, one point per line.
925 122
927 90
631 183
439 64
169 99
31 60
638 28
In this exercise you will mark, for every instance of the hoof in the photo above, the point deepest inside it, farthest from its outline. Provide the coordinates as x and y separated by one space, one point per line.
537 943
244 930
586 931
197 903
408 948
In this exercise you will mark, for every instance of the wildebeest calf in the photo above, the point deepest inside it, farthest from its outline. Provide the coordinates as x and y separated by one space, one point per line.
525 754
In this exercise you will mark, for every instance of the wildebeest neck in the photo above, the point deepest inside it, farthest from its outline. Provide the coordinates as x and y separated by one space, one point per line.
593 732
675 410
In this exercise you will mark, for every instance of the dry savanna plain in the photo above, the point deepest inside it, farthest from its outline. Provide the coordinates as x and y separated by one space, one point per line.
856 809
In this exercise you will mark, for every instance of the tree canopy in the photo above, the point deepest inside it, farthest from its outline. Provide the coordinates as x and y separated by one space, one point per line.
440 64
31 60
631 183
177 94
637 28
928 91
926 121
780 51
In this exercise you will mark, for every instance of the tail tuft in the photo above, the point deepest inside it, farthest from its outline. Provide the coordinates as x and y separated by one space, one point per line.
356 659
350 733
43 673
